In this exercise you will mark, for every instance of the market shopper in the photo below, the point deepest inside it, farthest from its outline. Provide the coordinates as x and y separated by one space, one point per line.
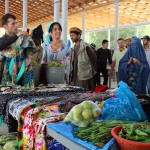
134 68
103 55
54 49
127 42
118 54
83 63
146 46
93 46
17 67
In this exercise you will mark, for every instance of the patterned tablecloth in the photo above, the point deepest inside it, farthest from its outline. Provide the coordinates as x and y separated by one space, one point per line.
34 109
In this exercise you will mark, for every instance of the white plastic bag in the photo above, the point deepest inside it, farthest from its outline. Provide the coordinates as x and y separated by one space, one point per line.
83 114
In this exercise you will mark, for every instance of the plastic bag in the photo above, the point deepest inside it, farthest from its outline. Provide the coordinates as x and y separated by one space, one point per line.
124 107
83 114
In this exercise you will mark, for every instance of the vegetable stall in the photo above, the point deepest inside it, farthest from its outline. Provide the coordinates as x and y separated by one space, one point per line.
73 118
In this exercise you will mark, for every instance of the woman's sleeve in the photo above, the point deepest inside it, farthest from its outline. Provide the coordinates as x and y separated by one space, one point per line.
44 54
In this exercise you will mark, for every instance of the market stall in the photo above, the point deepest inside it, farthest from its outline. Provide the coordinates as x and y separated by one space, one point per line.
40 113
136 133
64 133
20 102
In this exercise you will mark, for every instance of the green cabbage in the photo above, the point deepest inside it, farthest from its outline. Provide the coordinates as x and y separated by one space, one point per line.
10 145
1 147
5 138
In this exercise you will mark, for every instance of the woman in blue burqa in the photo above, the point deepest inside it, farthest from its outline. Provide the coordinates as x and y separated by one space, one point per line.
133 67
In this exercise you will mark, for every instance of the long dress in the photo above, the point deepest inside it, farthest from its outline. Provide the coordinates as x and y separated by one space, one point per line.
135 75
61 54
17 63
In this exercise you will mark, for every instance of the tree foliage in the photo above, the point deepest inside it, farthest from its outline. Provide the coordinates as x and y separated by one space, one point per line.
98 36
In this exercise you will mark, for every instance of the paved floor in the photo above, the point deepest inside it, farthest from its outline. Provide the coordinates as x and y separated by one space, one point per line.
113 84
3 129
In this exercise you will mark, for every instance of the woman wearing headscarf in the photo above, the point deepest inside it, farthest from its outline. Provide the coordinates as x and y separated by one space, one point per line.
54 49
133 67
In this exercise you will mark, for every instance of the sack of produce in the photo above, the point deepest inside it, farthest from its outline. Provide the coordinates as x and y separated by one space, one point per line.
83 114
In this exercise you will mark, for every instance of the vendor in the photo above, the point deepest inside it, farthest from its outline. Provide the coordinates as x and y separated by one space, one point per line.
17 68
55 49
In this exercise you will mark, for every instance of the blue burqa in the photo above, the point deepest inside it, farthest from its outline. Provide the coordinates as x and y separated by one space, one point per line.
133 74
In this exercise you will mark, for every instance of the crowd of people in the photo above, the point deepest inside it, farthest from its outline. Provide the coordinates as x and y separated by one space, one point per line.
84 63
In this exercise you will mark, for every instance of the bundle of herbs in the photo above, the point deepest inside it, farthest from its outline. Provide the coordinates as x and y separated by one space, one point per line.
56 64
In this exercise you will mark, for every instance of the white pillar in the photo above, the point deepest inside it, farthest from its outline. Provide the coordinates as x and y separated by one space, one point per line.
116 23
83 24
88 37
64 19
6 6
56 10
25 13
137 31
108 38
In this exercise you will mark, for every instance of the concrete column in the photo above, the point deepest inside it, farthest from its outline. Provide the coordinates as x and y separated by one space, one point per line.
6 6
64 19
25 13
137 31
108 38
56 10
116 23
83 24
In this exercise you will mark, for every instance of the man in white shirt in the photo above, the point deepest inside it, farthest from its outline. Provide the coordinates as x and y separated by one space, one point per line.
146 46
118 54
